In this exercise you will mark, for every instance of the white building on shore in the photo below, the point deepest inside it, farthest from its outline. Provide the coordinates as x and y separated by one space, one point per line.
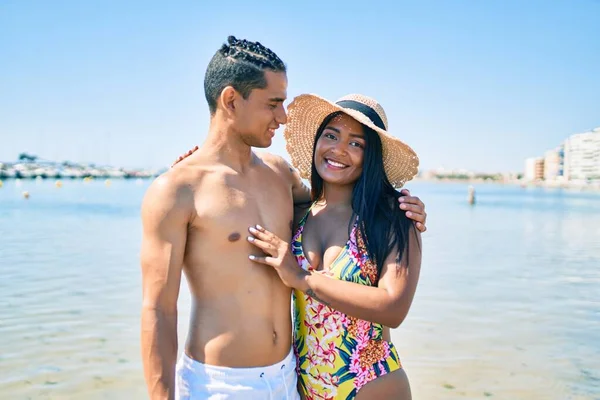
534 169
582 156
554 164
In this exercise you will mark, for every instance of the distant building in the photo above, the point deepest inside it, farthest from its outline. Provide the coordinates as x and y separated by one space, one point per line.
554 164
582 156
534 169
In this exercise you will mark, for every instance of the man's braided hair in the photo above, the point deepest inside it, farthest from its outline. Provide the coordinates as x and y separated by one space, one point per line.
240 64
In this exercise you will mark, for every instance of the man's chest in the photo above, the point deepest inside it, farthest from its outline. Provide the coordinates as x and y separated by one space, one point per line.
231 208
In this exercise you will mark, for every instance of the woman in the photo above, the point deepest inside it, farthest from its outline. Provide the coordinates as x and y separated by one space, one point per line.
356 256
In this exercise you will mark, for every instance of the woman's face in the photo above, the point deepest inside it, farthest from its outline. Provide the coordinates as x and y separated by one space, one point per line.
340 150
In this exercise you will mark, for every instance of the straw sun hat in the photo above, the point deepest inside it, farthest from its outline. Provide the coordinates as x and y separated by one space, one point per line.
307 112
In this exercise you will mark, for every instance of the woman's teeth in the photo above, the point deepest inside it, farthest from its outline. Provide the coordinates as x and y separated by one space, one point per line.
336 164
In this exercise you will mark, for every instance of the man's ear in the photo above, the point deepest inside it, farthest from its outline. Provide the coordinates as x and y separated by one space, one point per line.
228 99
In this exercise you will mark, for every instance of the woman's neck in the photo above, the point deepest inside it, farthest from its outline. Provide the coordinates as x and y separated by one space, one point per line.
336 196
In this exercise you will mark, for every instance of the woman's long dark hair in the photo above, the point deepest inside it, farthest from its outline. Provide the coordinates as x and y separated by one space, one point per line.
382 224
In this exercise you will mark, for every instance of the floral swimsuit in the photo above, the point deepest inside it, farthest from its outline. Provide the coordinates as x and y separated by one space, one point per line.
338 354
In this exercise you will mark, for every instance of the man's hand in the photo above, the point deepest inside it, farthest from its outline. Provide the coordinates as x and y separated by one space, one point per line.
415 209
189 153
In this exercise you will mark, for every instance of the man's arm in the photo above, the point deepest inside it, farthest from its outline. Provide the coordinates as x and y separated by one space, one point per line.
414 208
165 216
412 205
300 192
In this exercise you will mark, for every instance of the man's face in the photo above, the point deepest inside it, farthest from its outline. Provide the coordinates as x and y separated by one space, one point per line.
262 112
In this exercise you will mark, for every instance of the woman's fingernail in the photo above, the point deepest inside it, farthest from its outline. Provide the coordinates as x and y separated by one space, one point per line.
252 229
251 257
250 239
401 199
408 214
259 227
403 206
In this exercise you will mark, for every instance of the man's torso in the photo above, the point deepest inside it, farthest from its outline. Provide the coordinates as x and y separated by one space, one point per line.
240 310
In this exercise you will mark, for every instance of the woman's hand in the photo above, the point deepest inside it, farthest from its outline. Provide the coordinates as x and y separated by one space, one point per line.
279 257
186 155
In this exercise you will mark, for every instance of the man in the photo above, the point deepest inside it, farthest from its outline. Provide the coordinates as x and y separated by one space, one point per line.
195 219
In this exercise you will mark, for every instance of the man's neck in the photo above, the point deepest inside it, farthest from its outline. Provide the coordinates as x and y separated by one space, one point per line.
227 146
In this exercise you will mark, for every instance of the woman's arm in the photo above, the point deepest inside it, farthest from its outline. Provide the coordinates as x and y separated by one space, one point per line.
387 304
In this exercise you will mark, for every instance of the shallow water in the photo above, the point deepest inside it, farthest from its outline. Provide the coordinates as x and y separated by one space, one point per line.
508 305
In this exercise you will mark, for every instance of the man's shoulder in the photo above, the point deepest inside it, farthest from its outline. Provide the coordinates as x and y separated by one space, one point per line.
172 189
274 161
169 182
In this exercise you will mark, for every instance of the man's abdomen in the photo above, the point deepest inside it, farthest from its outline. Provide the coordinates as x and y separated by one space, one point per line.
241 331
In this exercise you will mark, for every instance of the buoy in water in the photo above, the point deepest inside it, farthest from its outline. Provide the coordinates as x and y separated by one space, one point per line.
1 183
471 196
58 184
107 182
25 194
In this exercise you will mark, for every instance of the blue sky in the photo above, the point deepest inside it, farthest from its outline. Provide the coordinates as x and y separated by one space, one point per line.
468 84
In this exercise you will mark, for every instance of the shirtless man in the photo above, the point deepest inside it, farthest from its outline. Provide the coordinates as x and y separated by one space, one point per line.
195 220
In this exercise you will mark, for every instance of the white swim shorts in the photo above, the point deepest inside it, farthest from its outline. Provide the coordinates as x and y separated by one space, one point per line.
195 380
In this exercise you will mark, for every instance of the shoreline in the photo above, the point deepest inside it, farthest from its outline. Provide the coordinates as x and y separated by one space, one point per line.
27 170
145 175
82 177
567 185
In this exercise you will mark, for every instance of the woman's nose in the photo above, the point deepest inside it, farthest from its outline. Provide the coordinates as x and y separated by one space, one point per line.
340 148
